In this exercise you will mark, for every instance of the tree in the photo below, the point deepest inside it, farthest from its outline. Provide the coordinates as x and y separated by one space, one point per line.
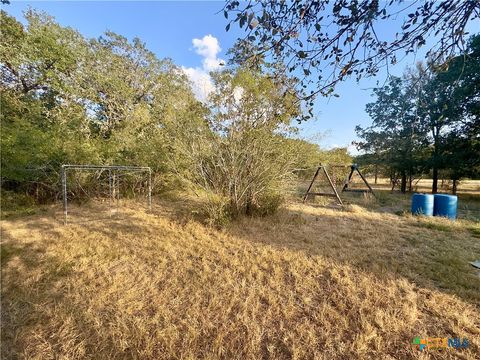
246 158
325 42
309 156
440 105
68 99
34 64
397 134
450 106
36 60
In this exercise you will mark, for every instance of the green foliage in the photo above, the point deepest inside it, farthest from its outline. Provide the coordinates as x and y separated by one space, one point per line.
453 113
246 157
336 156
67 99
396 137
269 202
309 156
15 204
429 119
216 210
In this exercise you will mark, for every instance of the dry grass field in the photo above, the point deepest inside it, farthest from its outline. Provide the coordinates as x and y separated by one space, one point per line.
311 282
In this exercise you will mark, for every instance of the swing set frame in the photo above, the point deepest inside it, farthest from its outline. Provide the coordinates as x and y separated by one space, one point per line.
335 194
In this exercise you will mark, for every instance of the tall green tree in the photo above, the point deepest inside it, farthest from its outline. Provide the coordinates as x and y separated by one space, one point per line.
40 126
450 107
441 107
396 135
68 99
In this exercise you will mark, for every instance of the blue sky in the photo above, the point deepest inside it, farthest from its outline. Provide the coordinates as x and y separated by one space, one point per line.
169 29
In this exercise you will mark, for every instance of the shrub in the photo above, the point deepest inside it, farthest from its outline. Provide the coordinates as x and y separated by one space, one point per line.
269 203
246 157
216 210
16 204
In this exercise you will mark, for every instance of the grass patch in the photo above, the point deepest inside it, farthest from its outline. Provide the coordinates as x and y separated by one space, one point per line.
433 226
14 205
308 282
7 251
475 231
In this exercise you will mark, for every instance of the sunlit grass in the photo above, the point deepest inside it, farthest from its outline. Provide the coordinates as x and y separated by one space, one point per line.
308 282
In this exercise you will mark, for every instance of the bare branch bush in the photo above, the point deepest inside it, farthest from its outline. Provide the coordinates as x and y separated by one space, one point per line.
244 162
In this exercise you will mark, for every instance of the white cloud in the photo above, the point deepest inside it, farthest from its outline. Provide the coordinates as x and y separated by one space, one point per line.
201 82
208 48
352 149
238 93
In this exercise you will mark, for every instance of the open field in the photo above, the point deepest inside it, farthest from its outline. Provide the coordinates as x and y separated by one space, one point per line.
309 282
395 202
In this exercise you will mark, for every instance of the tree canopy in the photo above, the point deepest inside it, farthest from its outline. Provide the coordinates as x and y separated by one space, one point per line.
68 99
428 120
110 100
323 41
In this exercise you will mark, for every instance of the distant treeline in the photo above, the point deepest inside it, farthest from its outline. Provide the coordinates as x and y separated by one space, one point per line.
427 122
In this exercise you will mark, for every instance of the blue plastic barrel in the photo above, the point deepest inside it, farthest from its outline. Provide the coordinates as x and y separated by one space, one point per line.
445 205
422 204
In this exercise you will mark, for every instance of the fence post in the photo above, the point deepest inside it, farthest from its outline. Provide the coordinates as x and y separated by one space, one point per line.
64 188
110 192
150 188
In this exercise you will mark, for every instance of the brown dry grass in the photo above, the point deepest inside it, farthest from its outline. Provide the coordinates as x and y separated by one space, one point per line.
309 282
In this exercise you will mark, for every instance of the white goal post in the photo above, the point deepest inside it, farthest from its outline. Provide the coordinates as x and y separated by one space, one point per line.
113 185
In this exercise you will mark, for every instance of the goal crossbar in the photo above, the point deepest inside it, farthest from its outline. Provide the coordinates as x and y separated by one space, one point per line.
107 167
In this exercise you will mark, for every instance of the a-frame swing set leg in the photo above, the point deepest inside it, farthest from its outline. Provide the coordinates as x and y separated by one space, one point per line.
353 168
311 184
365 181
333 187
335 193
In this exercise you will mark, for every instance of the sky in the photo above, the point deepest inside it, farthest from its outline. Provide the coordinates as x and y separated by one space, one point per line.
193 35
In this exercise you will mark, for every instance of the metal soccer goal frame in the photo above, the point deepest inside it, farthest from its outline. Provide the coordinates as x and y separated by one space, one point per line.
112 171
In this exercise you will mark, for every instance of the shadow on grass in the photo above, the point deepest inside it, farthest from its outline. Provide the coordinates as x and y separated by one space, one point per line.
29 277
38 309
389 247
431 255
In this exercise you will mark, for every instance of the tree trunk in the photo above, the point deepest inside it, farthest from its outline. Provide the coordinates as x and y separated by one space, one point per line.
393 180
436 143
376 174
403 187
435 180
410 179
454 187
